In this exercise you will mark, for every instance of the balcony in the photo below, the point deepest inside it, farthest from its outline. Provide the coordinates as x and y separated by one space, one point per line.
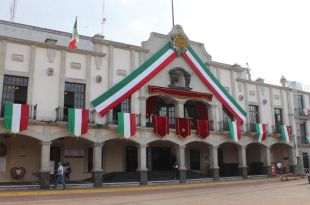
62 115
302 113
32 112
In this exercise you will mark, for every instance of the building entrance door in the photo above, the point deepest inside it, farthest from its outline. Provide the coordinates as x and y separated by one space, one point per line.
131 158
161 158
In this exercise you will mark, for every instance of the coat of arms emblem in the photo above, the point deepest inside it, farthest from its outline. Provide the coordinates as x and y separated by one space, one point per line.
179 41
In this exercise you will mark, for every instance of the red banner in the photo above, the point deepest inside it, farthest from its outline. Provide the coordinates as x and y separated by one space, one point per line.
202 127
183 127
161 125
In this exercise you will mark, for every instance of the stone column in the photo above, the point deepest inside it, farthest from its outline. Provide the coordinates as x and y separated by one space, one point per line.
44 175
143 112
97 164
267 162
292 160
243 168
214 167
182 165
142 169
179 109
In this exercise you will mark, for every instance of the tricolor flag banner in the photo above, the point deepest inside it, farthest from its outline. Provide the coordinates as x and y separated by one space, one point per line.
134 80
126 124
234 130
77 121
74 36
214 85
261 131
285 133
16 117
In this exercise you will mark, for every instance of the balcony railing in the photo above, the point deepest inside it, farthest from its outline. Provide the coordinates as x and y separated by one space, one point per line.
302 111
110 119
62 115
32 112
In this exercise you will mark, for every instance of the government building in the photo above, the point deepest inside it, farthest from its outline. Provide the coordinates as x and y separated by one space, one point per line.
185 108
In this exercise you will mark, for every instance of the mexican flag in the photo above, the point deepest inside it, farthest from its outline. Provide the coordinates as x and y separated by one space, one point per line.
77 121
16 117
126 124
234 130
261 131
74 36
285 133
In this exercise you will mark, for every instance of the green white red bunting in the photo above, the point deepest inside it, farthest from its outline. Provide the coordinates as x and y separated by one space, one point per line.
234 131
16 117
261 131
134 81
126 124
77 121
214 85
285 133
154 65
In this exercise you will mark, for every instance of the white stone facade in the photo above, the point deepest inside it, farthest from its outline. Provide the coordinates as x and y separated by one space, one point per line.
100 64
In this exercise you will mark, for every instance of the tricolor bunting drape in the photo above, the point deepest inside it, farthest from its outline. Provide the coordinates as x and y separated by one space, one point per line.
261 131
126 124
77 121
285 133
154 65
235 130
16 117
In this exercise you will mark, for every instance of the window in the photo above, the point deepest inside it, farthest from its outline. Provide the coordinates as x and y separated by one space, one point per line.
303 133
278 119
74 97
122 107
253 116
195 110
300 104
15 90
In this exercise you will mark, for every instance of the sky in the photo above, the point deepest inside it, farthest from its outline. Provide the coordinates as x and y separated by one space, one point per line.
273 36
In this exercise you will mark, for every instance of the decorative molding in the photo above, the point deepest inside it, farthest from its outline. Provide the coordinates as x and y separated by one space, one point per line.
18 57
51 54
50 71
98 78
264 101
277 97
240 97
121 72
98 62
75 65
180 78
252 92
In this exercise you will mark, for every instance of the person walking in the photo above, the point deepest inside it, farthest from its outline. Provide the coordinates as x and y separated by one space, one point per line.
60 176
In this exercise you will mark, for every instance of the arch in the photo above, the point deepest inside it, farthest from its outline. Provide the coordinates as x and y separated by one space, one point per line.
228 159
63 133
283 143
254 158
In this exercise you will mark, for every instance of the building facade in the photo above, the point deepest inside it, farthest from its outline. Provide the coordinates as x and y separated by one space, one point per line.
37 68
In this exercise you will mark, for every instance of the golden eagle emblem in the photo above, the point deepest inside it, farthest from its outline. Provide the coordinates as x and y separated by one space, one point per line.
180 42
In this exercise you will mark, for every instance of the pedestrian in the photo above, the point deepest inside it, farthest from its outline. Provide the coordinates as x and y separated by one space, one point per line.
60 176
67 170
176 168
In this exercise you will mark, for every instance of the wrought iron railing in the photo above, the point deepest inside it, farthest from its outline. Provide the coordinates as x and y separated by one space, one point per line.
62 115
32 111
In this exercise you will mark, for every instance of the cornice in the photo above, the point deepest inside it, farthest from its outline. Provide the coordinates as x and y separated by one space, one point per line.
57 47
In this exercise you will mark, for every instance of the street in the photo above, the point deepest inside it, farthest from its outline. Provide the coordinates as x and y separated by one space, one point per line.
246 192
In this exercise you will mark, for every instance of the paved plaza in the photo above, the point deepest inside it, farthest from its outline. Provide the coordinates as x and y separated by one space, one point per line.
247 192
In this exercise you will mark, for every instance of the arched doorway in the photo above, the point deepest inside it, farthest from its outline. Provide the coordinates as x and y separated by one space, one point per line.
75 151
161 155
19 159
197 157
254 158
120 161
228 160
280 153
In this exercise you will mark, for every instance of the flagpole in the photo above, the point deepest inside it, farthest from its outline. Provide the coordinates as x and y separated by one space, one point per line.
172 13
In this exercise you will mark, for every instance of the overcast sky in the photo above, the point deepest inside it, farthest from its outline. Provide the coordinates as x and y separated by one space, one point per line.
272 35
